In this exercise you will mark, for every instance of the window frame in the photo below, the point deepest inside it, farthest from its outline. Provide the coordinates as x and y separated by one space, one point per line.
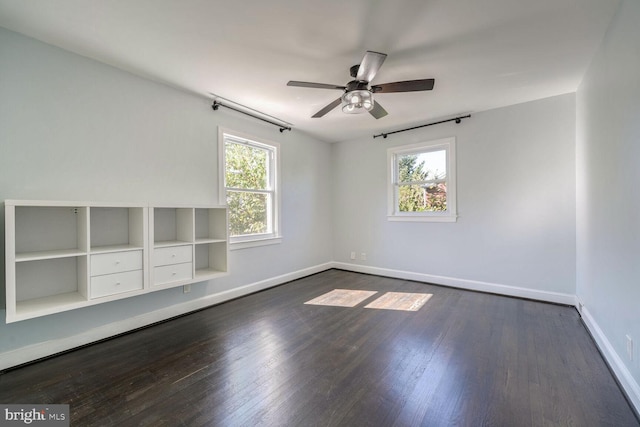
273 187
393 154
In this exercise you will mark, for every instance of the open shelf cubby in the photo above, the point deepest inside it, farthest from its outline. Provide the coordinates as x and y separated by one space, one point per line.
43 232
210 225
172 226
49 284
210 259
116 228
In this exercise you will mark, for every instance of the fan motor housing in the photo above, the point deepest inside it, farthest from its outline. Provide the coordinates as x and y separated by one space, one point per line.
356 85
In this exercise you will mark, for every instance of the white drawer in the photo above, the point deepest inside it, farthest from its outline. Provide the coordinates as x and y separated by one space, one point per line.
115 262
172 255
172 273
111 284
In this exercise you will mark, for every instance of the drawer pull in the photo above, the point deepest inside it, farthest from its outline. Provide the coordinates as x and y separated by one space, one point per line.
172 255
117 283
115 262
172 273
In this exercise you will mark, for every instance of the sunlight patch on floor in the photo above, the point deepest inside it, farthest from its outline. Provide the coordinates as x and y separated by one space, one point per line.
403 301
400 301
342 298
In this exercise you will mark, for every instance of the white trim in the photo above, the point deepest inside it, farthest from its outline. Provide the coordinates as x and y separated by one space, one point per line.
422 218
450 215
624 377
73 204
471 285
244 244
43 349
47 348
622 374
275 212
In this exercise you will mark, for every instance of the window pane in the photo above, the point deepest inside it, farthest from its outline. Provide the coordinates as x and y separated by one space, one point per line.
247 212
422 166
246 166
422 198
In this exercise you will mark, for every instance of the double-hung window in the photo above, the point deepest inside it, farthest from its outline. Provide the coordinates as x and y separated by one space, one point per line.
249 177
422 182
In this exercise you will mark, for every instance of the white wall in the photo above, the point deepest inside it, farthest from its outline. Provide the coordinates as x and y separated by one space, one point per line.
75 129
516 203
608 193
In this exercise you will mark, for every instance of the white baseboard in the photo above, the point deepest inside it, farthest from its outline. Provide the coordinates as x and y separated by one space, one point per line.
473 285
47 348
626 380
624 377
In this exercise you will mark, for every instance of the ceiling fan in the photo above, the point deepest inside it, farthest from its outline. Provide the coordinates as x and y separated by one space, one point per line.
358 95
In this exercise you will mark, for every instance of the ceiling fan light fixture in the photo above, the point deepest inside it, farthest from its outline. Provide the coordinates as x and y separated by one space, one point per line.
357 101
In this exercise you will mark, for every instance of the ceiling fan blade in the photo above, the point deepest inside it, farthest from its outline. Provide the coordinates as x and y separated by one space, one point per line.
315 85
370 65
328 108
377 111
406 86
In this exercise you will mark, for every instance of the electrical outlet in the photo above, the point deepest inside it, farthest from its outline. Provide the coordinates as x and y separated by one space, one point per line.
363 256
353 255
186 289
629 347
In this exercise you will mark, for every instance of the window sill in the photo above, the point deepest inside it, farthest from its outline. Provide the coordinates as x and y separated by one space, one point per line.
422 218
244 244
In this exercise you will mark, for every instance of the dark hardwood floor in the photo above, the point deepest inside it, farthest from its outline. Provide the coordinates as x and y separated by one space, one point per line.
463 359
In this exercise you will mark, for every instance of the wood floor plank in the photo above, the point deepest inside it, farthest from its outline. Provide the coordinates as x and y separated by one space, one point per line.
464 359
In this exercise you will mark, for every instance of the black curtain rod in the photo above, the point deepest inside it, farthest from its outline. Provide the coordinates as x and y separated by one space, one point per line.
456 119
217 105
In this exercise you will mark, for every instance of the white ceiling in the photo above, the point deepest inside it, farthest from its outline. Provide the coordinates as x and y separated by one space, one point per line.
483 54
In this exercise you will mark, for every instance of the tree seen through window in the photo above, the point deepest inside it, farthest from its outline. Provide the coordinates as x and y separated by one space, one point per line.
422 183
248 193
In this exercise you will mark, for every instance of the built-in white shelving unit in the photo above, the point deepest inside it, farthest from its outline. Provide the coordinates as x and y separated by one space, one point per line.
66 255
189 245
